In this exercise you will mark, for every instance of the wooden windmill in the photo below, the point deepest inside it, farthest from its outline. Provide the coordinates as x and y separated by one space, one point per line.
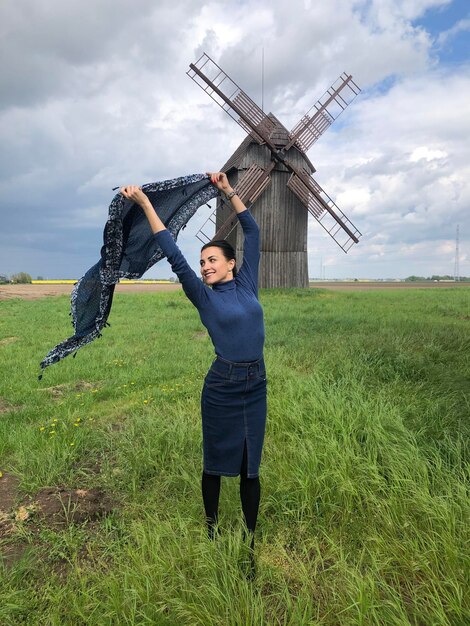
272 175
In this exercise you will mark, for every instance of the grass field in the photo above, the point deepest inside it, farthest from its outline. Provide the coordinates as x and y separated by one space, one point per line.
364 513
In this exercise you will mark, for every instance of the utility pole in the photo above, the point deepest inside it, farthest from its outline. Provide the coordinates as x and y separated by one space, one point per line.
262 79
457 257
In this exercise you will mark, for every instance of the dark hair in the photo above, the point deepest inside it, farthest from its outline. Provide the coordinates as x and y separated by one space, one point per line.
227 251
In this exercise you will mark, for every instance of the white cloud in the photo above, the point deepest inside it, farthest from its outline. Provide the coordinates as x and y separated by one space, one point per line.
428 154
462 26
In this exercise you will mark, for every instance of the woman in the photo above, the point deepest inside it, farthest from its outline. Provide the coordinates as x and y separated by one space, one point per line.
233 401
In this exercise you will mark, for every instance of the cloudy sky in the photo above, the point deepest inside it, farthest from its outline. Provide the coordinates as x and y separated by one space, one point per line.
94 94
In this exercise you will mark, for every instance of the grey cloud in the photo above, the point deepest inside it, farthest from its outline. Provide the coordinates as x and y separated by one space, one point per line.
95 99
303 56
65 46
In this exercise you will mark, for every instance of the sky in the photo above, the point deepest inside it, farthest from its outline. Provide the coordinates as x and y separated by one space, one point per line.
94 95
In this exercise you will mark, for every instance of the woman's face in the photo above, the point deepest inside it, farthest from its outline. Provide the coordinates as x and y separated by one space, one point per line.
214 266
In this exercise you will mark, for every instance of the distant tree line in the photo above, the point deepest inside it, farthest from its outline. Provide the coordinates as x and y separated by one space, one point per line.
435 278
20 278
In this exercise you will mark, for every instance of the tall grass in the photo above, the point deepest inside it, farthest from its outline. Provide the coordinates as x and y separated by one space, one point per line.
364 513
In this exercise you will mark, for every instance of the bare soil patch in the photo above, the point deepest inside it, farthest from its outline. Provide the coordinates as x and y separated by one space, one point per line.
8 498
8 491
60 390
59 506
12 552
33 292
54 507
5 406
7 341
380 285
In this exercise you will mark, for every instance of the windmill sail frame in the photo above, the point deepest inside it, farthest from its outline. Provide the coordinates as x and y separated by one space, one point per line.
233 100
211 78
326 110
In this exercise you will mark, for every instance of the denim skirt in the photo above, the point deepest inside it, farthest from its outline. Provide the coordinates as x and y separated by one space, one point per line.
233 407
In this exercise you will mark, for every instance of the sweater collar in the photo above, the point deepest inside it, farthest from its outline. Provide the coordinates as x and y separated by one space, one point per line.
226 286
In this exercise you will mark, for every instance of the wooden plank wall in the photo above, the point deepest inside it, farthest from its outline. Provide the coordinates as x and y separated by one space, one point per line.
282 220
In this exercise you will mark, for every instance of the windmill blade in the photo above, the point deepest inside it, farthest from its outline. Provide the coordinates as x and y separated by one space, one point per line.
249 187
324 112
231 98
253 182
324 210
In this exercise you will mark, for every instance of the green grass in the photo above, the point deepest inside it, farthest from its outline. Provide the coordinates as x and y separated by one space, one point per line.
364 513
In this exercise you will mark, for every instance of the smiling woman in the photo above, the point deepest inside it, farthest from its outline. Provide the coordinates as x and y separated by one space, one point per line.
233 402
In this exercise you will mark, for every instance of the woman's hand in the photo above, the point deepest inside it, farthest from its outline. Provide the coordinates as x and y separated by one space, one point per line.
134 193
220 180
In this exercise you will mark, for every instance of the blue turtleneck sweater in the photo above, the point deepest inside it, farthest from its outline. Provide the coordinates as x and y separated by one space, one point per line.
230 311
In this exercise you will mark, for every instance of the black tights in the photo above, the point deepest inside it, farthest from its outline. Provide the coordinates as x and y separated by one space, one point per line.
250 492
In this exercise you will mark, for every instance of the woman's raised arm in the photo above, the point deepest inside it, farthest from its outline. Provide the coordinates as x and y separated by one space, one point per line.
218 179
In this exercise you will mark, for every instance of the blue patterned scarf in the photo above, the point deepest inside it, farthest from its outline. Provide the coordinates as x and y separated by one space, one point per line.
129 250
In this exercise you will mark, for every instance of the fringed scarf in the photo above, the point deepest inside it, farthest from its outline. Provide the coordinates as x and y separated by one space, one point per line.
128 251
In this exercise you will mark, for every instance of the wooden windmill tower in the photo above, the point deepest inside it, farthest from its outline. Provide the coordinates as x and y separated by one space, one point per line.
272 175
